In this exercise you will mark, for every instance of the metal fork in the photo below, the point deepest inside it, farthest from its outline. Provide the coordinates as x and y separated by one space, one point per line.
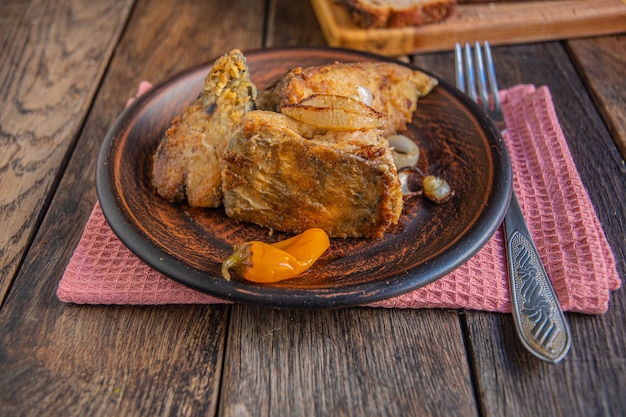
539 320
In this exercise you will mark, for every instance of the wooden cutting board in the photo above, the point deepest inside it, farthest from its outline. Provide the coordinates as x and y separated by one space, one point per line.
499 23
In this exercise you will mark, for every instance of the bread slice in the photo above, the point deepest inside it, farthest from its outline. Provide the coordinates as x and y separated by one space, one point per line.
288 176
372 14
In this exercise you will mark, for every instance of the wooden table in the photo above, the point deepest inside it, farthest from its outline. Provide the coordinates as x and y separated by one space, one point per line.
66 70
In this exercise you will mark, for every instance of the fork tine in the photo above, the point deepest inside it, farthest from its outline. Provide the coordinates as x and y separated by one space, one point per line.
460 73
469 71
466 73
482 78
493 84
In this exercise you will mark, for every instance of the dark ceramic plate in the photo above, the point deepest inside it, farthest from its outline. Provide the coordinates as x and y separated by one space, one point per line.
457 139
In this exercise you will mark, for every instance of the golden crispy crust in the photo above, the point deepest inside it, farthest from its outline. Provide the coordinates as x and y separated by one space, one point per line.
395 88
286 176
269 169
187 163
375 14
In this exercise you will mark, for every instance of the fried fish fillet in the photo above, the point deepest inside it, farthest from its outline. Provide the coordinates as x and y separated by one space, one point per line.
187 163
288 176
395 88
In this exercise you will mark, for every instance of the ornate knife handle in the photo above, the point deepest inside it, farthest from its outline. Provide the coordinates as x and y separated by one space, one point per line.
540 322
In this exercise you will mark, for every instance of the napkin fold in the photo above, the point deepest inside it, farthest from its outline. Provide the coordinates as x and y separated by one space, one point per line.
559 213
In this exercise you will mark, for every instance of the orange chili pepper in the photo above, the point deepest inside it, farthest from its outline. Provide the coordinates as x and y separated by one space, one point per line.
265 263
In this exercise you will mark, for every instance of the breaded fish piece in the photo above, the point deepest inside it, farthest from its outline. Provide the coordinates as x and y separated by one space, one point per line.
395 88
188 161
288 176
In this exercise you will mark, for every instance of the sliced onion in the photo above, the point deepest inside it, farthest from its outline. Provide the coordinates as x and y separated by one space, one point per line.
405 152
408 177
334 112
404 182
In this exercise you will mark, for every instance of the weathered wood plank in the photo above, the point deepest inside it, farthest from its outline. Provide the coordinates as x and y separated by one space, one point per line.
509 380
53 55
292 23
104 361
357 362
600 62
341 362
58 359
72 360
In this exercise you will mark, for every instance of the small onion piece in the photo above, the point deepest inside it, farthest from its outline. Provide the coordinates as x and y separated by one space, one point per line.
403 176
365 95
405 152
334 112
437 189
408 177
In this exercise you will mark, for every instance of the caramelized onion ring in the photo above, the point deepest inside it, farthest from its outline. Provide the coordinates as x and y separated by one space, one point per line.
334 112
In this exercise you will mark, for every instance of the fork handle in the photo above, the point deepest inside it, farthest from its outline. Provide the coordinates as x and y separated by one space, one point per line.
540 322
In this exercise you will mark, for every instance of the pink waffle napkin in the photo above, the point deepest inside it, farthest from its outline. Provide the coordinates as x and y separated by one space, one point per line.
560 217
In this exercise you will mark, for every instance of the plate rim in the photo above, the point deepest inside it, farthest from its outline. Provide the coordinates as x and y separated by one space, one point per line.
474 239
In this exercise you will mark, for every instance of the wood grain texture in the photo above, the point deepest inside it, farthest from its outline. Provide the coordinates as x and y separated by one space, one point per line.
58 359
104 361
509 380
499 22
49 75
592 370
599 61
357 362
292 23
341 362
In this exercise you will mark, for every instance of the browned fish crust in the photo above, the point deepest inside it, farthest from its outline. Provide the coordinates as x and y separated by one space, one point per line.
287 176
188 161
395 88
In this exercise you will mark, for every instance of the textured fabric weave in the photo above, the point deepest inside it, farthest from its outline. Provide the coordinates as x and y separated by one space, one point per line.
560 217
